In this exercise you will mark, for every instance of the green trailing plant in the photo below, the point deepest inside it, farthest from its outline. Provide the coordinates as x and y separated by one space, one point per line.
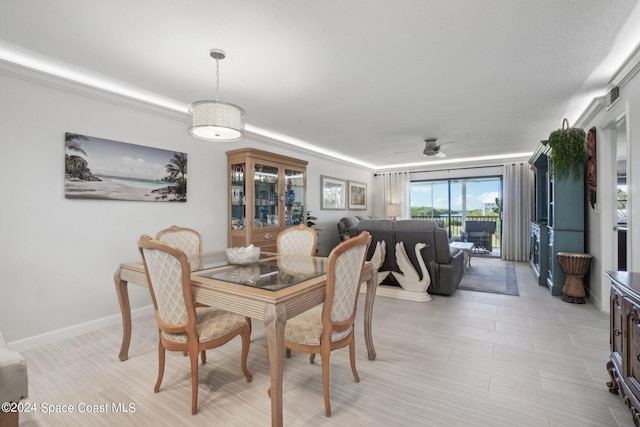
567 151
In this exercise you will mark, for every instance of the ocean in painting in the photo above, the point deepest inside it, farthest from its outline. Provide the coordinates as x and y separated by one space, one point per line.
97 168
118 188
151 184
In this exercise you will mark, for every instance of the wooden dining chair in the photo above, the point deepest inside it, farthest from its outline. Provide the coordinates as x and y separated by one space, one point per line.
182 326
187 240
330 326
298 240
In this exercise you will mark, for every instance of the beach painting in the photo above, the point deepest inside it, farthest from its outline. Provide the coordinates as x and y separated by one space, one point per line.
97 168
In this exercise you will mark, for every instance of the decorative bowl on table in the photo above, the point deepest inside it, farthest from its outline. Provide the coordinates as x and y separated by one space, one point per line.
243 256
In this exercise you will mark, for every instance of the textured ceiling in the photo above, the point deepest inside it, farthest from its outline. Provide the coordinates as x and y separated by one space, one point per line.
368 79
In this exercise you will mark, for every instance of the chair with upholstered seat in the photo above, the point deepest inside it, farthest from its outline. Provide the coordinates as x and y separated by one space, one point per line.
298 240
182 326
330 326
187 240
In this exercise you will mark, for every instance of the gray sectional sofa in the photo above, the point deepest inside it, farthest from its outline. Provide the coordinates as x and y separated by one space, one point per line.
444 264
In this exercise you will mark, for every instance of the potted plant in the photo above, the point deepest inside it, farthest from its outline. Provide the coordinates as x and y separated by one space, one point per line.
567 151
310 220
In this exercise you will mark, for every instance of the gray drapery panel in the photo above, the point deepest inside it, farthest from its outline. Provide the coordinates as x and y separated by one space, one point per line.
395 190
517 205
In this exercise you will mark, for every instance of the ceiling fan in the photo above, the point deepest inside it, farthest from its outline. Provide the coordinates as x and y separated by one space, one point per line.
432 148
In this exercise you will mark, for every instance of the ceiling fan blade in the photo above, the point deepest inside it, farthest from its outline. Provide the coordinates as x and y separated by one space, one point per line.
440 155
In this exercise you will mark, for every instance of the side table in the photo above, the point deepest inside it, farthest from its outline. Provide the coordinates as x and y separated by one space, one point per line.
574 265
467 248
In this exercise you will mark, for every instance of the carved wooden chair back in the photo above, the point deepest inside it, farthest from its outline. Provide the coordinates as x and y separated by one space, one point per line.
297 240
183 326
187 240
330 326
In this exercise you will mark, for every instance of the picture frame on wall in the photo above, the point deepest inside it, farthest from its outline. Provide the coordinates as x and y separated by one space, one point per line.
357 195
98 168
333 193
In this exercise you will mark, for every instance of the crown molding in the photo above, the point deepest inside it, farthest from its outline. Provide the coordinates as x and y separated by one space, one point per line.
75 87
628 69
44 78
592 110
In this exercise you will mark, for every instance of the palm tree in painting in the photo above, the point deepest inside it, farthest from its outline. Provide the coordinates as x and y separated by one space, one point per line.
76 167
177 170
71 144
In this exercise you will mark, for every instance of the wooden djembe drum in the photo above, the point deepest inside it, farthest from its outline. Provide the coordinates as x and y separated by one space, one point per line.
574 265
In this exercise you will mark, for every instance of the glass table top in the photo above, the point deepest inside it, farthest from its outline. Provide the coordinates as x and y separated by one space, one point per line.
270 274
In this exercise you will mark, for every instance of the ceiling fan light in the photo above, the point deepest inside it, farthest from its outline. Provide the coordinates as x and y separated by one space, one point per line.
216 121
432 148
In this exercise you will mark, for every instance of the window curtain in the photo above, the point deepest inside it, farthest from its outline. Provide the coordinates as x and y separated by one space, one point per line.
517 205
394 188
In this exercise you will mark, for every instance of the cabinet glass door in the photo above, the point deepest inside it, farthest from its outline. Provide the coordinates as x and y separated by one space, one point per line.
238 196
266 196
294 197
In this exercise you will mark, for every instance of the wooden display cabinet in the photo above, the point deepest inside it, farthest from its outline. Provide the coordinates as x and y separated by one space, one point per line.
267 192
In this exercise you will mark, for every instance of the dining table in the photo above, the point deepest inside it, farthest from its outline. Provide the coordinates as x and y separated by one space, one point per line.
273 289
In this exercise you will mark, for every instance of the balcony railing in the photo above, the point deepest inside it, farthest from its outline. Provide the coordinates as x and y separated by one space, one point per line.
454 225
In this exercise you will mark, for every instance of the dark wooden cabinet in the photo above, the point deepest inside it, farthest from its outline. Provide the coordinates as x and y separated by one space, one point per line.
624 363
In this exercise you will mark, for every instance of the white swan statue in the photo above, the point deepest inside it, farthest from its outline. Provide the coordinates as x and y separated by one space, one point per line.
378 258
409 278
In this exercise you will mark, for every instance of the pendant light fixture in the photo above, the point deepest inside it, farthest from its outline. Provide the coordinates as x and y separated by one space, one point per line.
216 120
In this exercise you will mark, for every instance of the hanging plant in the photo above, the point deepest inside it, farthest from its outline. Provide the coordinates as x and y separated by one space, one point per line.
567 151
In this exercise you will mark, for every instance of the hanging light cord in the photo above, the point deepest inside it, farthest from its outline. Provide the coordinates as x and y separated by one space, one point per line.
217 77
217 54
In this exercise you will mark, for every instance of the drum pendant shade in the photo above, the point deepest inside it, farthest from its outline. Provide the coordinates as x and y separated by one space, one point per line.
216 120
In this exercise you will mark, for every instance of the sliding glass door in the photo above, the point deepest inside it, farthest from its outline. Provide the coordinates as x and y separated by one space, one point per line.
459 205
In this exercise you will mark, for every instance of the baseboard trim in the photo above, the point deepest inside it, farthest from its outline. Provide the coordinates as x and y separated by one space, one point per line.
398 293
75 330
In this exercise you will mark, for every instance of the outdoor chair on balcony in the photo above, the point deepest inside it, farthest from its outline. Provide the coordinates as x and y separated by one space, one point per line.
480 233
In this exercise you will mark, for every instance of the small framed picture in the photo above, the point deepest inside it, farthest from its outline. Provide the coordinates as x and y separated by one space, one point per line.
333 193
357 195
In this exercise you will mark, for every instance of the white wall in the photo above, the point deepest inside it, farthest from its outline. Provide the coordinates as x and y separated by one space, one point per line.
601 243
58 256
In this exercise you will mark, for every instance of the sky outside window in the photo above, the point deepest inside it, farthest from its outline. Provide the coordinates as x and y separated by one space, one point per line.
436 193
